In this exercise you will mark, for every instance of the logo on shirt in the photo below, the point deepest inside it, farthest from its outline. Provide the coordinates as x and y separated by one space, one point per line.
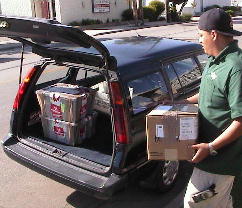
213 76
4 25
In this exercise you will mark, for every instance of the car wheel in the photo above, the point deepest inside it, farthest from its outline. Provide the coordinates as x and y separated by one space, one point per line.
162 177
167 172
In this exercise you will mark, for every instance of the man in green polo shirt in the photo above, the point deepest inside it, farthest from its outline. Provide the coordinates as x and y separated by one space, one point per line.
218 157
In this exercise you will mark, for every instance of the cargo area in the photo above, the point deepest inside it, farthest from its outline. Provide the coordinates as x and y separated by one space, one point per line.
69 117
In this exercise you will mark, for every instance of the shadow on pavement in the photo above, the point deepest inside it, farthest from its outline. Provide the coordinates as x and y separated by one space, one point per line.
13 49
3 60
134 196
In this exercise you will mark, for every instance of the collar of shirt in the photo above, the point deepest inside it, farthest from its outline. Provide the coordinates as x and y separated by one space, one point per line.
232 46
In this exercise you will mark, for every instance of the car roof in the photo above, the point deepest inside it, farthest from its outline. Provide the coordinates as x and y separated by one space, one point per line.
145 53
129 49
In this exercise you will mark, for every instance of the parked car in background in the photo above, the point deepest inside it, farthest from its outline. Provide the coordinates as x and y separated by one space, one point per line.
124 78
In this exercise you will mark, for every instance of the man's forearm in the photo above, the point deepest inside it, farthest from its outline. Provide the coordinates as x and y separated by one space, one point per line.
233 132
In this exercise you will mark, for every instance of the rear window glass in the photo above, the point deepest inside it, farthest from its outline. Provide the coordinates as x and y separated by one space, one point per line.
53 72
84 74
182 73
146 91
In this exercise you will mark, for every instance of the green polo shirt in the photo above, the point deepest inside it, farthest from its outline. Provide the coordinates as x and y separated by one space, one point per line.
220 101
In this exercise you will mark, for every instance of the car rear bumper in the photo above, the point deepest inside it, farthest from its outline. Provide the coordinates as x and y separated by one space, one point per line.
80 179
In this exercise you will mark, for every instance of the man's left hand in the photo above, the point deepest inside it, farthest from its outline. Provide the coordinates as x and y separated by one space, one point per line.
201 153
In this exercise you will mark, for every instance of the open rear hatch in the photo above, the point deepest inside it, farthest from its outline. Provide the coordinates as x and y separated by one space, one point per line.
86 166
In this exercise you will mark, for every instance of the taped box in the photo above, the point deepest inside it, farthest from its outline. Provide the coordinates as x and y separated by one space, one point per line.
170 131
102 103
102 100
65 102
69 133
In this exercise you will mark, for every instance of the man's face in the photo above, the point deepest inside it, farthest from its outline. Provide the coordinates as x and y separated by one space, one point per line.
206 40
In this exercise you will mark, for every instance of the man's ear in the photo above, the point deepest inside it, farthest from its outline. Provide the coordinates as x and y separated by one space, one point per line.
214 34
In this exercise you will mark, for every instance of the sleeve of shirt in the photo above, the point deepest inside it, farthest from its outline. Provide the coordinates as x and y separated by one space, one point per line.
235 94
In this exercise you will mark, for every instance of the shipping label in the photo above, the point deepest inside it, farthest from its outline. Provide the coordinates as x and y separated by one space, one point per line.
188 128
159 131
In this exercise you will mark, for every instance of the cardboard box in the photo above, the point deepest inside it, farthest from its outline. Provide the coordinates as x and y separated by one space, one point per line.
170 131
65 102
63 132
102 103
102 100
67 132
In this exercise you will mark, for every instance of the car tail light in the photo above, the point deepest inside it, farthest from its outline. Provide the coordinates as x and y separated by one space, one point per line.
120 119
23 87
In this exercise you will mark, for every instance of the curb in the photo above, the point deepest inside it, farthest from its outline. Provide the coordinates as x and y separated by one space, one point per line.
135 28
108 25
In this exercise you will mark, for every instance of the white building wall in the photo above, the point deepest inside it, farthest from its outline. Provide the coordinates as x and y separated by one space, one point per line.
189 9
16 7
237 2
76 10
218 2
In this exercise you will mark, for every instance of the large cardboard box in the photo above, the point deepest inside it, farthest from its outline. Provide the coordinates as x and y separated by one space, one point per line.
69 133
171 130
65 102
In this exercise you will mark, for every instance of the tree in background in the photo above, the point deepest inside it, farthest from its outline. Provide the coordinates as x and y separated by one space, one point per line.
137 7
170 6
135 11
172 12
158 7
141 12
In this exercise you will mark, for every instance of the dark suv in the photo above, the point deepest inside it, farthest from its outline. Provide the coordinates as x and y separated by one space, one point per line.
130 76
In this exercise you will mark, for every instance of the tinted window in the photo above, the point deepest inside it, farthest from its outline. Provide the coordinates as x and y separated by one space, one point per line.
53 72
84 74
203 59
146 91
182 73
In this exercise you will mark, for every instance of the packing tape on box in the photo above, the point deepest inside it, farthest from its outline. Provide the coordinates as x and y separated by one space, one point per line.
171 154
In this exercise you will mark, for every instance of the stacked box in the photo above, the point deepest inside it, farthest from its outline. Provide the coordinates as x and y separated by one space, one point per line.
65 102
171 130
67 132
66 113
102 100
102 103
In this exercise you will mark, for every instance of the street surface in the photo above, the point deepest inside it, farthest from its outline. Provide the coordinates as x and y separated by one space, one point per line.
23 188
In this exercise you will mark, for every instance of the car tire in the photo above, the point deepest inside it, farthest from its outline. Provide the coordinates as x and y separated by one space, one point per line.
162 176
167 173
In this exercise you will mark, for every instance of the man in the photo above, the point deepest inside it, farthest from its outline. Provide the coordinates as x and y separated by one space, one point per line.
218 157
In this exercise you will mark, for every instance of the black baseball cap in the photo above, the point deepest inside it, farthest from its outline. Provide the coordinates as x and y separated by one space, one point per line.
217 19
